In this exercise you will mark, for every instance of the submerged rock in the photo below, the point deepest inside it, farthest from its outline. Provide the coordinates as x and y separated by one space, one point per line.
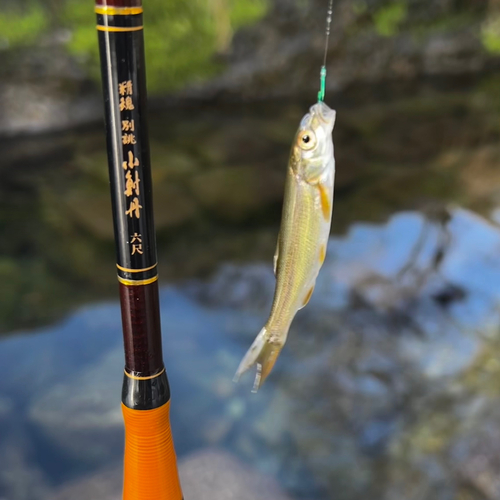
218 475
207 474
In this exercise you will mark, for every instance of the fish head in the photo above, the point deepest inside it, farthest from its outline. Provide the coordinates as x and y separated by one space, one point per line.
313 145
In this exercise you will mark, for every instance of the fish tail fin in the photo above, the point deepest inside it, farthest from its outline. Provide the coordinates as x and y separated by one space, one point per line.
262 352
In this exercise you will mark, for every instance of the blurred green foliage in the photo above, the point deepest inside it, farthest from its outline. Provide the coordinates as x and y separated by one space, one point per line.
388 18
22 25
490 35
181 36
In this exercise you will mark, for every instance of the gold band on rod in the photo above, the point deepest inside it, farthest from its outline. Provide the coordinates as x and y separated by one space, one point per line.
136 270
134 377
107 10
137 282
117 29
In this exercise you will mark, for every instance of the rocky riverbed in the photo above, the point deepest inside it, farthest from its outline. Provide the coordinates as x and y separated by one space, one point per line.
388 385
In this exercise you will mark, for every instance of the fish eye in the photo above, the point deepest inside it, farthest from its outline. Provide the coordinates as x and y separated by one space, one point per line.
306 139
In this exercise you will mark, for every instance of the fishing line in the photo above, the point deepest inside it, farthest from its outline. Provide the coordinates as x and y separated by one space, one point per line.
322 81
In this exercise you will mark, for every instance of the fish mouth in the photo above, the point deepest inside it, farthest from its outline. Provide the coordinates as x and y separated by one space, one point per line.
324 113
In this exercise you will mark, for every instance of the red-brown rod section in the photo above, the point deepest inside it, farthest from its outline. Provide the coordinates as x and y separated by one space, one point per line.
141 329
119 3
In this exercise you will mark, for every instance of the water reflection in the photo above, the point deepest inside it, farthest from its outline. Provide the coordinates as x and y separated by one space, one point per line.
390 377
218 177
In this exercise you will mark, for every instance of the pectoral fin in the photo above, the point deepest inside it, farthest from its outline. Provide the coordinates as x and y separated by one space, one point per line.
325 202
307 297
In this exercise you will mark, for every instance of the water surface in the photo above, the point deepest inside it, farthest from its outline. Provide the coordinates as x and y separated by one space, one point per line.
388 385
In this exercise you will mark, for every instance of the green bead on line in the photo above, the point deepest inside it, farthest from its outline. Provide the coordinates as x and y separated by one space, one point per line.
321 93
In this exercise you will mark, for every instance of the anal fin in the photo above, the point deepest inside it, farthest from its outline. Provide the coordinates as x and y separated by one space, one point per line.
307 297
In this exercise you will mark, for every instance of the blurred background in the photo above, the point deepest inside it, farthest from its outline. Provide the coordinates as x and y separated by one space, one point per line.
389 385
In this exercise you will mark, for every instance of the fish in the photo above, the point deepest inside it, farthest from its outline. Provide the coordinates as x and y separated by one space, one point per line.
303 236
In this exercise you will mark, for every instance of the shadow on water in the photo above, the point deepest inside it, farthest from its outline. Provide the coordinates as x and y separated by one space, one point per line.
388 385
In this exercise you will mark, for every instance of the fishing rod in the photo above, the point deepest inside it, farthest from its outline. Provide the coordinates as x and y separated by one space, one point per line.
150 465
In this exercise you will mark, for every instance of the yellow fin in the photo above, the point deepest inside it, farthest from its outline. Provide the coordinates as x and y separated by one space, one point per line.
308 297
322 254
265 363
263 352
325 201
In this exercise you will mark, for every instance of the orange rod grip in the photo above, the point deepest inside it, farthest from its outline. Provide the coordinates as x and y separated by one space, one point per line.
150 469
